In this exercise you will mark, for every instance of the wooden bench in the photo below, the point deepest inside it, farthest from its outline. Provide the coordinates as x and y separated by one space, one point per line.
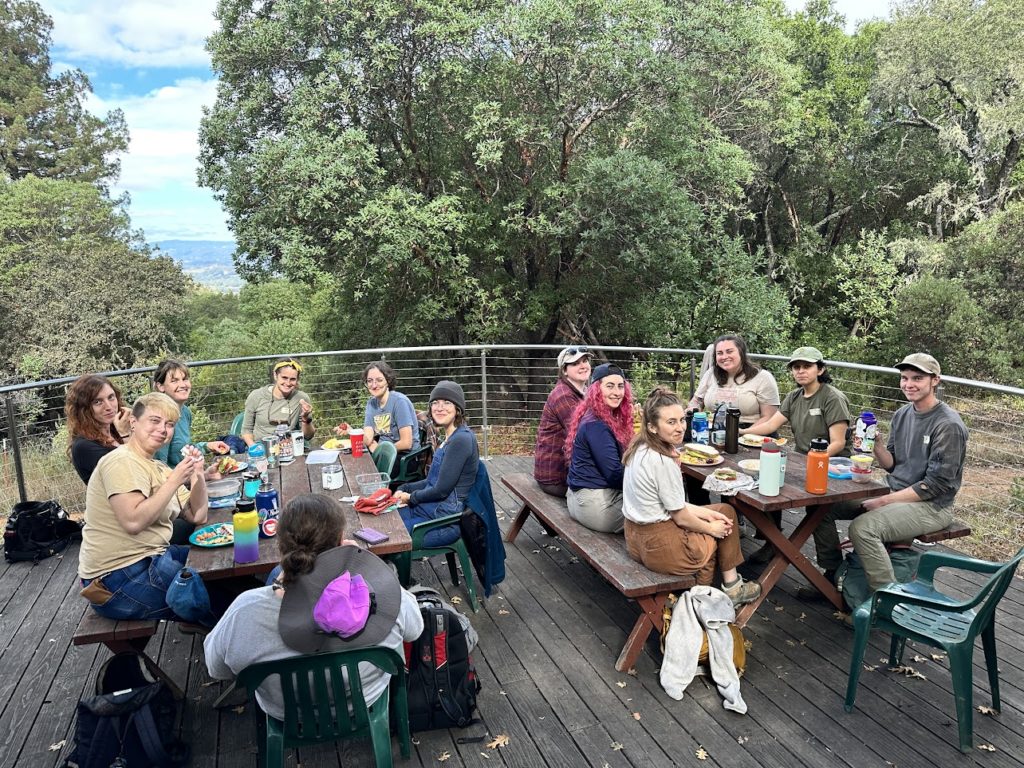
606 553
120 637
955 530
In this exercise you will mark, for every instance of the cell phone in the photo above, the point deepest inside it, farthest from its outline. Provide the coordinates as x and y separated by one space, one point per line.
371 535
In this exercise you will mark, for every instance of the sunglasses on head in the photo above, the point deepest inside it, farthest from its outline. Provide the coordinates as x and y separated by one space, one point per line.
576 350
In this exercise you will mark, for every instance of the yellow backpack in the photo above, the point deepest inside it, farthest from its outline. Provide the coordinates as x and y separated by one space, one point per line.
739 643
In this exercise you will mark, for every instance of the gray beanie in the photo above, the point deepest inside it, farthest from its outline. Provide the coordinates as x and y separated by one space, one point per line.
450 391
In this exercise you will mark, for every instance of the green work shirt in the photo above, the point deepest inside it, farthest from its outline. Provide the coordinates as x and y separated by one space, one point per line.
810 417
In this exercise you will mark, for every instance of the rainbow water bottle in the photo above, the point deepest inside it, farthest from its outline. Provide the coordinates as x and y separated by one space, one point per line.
247 531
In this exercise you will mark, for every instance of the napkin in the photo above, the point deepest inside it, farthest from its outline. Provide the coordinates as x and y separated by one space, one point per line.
728 487
322 456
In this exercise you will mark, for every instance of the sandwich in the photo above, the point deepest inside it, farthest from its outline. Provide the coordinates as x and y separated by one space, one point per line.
698 453
725 474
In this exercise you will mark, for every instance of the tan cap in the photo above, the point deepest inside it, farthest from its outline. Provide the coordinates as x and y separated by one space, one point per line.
922 361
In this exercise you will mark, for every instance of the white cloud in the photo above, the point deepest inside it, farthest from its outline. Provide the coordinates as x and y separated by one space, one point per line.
133 32
159 169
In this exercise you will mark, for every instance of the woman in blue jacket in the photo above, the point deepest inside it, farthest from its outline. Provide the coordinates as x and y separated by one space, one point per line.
452 472
601 428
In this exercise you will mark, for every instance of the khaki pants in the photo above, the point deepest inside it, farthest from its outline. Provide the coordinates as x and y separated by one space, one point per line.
871 531
666 548
599 509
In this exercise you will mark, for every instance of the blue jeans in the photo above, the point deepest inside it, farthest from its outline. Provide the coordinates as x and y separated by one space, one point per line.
140 589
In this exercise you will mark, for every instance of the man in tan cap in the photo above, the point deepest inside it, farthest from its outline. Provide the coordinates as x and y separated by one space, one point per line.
924 457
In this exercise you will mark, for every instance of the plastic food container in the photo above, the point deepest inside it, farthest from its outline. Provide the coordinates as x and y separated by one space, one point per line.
222 489
371 482
751 467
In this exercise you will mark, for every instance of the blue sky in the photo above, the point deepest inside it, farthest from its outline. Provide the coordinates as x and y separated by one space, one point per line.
147 58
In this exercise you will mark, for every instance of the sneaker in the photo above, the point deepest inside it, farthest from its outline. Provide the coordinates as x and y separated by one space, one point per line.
763 555
742 592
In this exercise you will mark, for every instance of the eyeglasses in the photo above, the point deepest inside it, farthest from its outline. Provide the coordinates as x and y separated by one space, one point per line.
376 381
443 403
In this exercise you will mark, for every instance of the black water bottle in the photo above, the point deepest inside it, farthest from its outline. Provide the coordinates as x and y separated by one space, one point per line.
688 432
732 429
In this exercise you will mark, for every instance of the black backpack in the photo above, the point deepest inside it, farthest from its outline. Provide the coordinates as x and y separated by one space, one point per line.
38 529
442 680
131 722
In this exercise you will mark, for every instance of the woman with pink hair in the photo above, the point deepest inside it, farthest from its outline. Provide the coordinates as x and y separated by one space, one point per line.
601 428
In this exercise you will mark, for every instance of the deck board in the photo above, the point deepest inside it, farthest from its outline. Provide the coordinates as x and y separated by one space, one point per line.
549 637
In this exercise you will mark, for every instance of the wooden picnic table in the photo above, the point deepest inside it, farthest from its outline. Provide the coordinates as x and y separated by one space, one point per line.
756 509
291 480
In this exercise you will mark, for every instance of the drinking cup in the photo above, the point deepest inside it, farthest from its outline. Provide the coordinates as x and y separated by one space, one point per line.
298 443
718 438
357 443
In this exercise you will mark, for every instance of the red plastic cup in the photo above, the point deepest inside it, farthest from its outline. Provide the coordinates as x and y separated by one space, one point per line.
357 443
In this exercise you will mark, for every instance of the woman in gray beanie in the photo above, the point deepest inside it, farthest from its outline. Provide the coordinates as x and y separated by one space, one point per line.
452 472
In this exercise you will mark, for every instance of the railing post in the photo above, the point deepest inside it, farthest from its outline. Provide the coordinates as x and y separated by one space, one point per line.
12 433
486 428
693 376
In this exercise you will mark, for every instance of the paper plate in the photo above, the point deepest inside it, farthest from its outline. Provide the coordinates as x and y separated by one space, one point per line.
718 460
213 535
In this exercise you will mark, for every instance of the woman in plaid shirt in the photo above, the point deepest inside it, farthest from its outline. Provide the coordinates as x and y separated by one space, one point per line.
549 463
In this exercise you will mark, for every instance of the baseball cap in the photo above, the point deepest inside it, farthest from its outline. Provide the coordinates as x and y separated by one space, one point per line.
922 361
806 355
606 369
570 355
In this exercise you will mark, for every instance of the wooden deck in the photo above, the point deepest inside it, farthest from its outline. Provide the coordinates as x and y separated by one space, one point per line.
549 637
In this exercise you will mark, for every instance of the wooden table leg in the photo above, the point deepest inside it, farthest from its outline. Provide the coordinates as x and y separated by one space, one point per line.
517 524
787 552
649 619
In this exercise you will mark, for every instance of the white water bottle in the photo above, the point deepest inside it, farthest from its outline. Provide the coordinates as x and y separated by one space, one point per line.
770 469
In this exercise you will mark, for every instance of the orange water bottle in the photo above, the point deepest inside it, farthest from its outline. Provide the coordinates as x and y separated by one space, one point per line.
817 467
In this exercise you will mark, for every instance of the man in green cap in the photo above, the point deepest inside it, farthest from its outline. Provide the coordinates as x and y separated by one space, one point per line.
815 409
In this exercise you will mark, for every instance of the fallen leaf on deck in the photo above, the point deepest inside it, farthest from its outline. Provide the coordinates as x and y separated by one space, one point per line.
701 753
536 551
802 617
58 746
443 756
485 755
987 747
870 667
938 657
791 642
780 608
742 739
838 615
239 709
502 693
631 671
503 612
908 671
748 645
636 715
621 684
616 746
919 658
987 710
501 740
208 683
456 600
574 559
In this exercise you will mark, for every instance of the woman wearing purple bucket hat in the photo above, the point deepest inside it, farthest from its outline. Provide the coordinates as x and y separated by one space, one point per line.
330 596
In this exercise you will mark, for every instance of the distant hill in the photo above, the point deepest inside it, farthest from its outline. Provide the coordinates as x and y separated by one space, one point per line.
207 261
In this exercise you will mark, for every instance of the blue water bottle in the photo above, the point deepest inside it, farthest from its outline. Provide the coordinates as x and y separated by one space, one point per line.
257 457
267 507
700 428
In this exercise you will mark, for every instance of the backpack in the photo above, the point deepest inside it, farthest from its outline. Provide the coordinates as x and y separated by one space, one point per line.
442 680
852 582
739 643
131 722
38 529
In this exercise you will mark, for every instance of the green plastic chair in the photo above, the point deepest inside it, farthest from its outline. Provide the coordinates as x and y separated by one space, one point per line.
412 466
384 457
403 560
321 706
236 425
919 612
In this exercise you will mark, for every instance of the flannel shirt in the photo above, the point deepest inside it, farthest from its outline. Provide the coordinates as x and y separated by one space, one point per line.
549 464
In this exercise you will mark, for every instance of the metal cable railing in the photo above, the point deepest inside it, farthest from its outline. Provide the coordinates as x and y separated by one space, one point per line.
506 386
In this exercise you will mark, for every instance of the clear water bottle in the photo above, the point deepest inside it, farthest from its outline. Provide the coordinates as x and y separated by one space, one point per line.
258 457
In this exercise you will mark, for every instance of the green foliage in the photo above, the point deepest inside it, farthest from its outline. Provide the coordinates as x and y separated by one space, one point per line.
472 171
45 129
952 69
79 290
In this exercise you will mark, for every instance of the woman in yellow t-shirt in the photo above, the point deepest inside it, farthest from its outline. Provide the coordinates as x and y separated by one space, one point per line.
127 562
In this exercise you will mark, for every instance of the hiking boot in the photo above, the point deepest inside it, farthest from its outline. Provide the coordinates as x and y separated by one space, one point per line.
742 592
808 592
763 555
